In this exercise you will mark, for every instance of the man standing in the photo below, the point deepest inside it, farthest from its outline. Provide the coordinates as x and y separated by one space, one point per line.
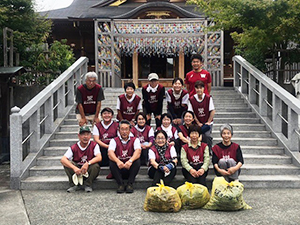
86 155
197 74
124 154
88 98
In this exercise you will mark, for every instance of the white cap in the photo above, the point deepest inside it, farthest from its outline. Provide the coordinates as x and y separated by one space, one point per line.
153 76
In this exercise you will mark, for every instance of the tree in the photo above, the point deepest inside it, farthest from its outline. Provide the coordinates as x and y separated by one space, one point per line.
28 26
263 28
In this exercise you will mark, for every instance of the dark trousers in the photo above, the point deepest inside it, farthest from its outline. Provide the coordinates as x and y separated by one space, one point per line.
105 159
191 179
157 175
144 157
120 174
93 171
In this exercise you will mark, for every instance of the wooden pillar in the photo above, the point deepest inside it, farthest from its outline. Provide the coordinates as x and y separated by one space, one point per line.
135 68
181 65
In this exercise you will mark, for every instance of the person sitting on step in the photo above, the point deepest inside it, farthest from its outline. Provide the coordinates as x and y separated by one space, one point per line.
124 153
227 156
162 159
128 104
145 134
195 157
82 158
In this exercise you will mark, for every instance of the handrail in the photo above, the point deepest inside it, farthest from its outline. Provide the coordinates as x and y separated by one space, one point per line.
57 99
272 103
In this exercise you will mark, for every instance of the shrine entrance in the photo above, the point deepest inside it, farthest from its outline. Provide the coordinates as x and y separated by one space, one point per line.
131 49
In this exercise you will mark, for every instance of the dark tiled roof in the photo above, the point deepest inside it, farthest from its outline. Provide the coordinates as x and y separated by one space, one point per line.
91 9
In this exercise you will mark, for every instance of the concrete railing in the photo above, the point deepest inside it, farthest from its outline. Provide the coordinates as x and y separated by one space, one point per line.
276 107
32 126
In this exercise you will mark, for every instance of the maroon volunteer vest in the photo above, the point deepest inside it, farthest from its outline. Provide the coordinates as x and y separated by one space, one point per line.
105 135
201 109
81 157
184 131
228 153
195 157
128 109
157 156
177 104
142 136
89 98
153 97
124 151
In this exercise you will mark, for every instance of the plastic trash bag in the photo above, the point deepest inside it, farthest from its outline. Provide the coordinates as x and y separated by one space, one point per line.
193 196
162 199
226 196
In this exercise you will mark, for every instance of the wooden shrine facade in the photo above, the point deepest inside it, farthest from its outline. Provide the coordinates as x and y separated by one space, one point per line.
129 49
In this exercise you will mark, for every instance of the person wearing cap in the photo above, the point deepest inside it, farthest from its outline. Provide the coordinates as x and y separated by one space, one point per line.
128 104
195 157
227 156
88 98
82 158
197 74
153 96
124 152
177 100
203 107
103 132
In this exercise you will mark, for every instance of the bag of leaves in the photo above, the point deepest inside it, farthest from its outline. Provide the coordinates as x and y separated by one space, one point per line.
193 196
226 196
162 199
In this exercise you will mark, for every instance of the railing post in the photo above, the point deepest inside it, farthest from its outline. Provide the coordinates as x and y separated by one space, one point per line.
251 92
236 71
263 107
34 128
277 110
61 99
244 77
49 120
292 126
16 156
70 97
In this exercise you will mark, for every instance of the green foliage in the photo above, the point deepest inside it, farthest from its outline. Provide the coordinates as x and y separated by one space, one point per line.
263 27
44 65
28 26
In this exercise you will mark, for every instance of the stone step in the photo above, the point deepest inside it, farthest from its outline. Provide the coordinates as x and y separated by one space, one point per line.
234 115
143 182
247 169
241 126
248 158
250 141
236 120
246 134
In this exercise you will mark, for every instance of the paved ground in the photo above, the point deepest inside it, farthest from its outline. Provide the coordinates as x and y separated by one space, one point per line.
273 206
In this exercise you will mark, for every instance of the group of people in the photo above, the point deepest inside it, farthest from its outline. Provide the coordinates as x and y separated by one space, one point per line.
182 135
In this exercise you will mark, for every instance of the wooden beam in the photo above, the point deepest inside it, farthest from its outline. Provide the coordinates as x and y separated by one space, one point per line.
181 65
135 68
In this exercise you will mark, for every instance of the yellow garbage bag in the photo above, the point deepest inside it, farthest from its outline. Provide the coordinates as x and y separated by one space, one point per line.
193 196
226 196
162 199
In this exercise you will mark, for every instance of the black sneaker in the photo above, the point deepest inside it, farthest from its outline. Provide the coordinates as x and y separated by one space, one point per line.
129 188
121 189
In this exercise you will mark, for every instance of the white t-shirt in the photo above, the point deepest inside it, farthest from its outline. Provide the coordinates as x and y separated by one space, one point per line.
96 131
185 98
69 153
129 100
211 103
173 153
169 131
151 131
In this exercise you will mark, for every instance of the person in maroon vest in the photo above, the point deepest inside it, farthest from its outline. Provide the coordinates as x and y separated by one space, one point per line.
177 100
195 158
88 98
153 96
203 107
227 156
128 104
124 154
105 131
183 130
197 74
81 158
163 160
145 134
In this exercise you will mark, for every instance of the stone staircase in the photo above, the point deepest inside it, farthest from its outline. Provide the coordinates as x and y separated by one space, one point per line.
266 165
